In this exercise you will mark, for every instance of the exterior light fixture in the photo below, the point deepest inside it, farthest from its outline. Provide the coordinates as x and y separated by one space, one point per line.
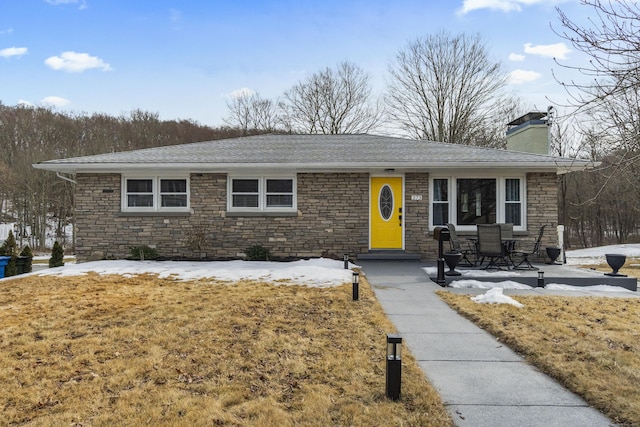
356 287
394 366
345 258
541 279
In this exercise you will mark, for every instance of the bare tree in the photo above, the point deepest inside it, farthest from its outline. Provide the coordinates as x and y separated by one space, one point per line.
332 101
251 112
610 97
444 88
611 42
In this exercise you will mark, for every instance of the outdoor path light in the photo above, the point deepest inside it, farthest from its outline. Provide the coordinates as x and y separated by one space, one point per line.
394 366
541 279
345 257
356 287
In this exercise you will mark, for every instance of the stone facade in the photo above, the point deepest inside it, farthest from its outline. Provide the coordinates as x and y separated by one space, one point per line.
332 219
542 207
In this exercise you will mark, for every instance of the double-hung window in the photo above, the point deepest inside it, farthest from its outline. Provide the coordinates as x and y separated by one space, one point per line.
155 194
466 202
513 208
261 194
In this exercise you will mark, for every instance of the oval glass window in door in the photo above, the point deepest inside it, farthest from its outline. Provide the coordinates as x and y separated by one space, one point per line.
385 200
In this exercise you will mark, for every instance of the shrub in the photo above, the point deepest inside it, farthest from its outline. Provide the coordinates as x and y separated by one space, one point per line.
28 265
10 248
57 256
257 253
143 252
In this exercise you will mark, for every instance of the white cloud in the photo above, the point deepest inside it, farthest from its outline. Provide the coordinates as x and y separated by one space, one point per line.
24 103
502 5
55 101
7 31
75 62
82 3
516 57
13 51
237 93
518 77
556 50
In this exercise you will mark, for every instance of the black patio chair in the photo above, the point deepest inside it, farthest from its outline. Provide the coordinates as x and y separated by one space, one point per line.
456 245
490 246
527 249
506 231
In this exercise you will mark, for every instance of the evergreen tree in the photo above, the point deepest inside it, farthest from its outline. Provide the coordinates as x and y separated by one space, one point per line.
9 248
28 265
57 256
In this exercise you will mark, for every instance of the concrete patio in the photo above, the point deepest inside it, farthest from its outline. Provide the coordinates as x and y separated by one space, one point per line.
553 274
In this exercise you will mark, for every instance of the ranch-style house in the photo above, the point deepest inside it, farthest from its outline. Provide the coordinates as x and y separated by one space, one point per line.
304 196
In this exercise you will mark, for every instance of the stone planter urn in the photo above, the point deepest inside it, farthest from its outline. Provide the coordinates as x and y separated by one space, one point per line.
553 254
452 259
615 261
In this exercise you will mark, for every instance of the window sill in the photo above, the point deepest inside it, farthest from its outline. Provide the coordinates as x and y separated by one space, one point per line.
236 214
153 213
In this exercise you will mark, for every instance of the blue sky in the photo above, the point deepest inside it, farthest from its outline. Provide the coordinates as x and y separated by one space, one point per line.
183 59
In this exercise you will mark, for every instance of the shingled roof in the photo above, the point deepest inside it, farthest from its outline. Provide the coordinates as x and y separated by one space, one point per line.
316 152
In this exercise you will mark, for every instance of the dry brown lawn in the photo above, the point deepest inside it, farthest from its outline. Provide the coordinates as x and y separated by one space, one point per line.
107 350
591 345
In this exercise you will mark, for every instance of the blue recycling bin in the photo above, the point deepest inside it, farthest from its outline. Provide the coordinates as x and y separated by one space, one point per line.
4 260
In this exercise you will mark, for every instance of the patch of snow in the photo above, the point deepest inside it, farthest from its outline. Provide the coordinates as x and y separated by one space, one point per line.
495 296
594 288
313 272
597 255
476 284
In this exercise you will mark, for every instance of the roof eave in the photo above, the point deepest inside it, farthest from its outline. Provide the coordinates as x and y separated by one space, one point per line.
560 168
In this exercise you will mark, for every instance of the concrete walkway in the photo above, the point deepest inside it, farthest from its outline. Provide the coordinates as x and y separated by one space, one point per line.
481 381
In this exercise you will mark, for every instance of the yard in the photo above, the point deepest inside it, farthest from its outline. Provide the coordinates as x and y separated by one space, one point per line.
589 344
143 349
259 349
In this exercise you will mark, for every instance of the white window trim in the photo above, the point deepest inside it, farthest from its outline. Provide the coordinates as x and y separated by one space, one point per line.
156 194
262 194
500 199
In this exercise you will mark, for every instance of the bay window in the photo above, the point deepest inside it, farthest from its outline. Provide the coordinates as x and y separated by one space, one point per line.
466 202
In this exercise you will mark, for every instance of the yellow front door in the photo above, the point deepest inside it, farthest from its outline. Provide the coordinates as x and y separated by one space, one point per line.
385 213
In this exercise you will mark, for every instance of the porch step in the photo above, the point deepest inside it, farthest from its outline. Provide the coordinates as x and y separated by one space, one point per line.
389 255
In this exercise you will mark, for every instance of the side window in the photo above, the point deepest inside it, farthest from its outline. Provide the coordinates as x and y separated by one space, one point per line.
155 194
255 194
139 193
279 193
513 202
245 193
440 206
173 193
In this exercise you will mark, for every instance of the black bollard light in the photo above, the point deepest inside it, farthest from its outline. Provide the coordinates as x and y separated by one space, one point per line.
345 257
541 279
394 366
356 286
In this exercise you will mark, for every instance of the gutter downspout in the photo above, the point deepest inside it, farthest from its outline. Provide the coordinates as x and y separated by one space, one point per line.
66 178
